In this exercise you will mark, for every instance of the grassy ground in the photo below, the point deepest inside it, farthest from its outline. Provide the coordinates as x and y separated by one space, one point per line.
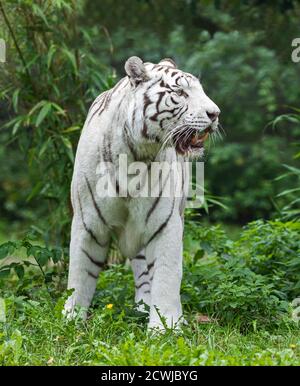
115 334
34 332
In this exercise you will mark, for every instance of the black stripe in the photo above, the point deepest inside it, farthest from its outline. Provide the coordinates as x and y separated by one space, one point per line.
87 229
172 112
94 202
142 284
155 81
163 84
177 80
101 100
147 292
139 257
182 113
151 265
109 148
157 199
161 95
107 154
94 103
145 130
147 102
175 103
171 61
106 101
97 263
143 273
133 115
91 274
163 225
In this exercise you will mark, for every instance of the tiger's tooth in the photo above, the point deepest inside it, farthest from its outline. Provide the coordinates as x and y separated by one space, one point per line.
204 138
194 139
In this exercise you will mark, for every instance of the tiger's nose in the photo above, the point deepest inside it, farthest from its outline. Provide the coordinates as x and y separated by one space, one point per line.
213 115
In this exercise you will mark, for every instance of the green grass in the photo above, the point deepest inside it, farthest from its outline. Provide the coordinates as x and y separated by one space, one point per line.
248 327
35 333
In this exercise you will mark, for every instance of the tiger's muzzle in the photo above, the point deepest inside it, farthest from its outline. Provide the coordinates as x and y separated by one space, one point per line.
190 139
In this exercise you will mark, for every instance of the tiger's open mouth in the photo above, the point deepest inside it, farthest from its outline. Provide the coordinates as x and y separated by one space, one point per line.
190 140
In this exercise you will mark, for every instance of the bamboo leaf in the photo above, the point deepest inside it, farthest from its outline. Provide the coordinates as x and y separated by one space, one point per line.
43 113
15 99
71 129
51 52
69 148
71 57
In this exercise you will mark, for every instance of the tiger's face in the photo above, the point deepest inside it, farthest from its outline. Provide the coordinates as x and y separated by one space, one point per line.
170 106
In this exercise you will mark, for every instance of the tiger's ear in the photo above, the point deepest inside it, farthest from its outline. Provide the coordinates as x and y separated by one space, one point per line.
136 70
168 62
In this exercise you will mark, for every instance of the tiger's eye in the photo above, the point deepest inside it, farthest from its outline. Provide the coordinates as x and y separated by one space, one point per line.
180 92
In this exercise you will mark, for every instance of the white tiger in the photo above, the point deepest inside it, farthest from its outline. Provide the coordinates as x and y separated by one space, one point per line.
156 112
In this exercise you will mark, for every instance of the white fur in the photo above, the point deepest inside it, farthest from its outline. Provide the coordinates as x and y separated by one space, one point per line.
127 218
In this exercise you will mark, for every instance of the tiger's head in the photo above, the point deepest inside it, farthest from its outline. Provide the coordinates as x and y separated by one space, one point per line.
169 107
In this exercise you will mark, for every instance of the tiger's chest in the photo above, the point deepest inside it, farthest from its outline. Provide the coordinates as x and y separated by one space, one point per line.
133 221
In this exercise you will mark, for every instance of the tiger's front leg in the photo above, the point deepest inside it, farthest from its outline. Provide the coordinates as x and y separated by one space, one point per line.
142 279
164 252
88 250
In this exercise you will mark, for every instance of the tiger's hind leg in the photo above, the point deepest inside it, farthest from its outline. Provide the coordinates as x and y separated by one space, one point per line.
165 253
142 279
88 250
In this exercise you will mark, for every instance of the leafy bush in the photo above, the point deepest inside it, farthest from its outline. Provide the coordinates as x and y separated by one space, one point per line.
244 281
247 282
251 188
272 249
232 293
51 77
292 209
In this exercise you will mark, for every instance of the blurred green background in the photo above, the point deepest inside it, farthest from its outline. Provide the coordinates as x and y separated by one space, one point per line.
61 54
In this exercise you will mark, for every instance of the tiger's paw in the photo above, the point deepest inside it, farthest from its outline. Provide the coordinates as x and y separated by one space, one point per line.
164 324
73 311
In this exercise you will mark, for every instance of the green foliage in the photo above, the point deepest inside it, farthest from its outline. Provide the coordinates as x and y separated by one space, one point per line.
51 78
244 282
34 333
272 249
244 67
61 54
250 189
247 281
48 264
233 293
292 209
235 283
56 69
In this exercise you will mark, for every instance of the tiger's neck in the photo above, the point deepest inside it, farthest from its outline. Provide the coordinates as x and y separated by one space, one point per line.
129 136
